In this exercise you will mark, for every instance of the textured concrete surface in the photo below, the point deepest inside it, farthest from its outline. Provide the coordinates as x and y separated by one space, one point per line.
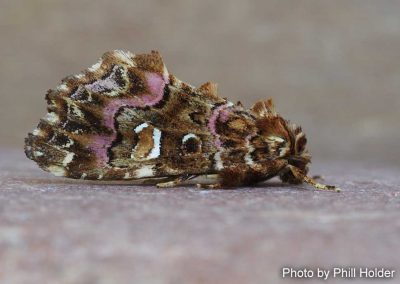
54 230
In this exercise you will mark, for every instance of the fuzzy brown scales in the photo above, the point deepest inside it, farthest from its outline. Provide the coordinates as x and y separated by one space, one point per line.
127 118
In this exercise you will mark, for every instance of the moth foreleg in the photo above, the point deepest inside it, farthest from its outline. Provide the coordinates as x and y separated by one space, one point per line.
320 185
175 182
301 176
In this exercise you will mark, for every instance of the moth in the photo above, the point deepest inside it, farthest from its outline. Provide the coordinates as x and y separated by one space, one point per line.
128 118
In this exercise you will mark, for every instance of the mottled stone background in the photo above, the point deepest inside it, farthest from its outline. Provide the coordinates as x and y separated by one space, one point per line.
331 66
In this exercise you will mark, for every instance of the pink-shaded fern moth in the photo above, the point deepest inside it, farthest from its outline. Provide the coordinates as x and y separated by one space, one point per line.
127 118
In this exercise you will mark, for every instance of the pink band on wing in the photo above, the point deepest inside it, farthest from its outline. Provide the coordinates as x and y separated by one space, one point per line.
156 86
220 113
155 83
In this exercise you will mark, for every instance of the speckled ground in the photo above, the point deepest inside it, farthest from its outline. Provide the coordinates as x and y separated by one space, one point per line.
54 230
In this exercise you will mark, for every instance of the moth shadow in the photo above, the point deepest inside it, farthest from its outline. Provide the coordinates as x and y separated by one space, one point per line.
280 186
50 181
151 184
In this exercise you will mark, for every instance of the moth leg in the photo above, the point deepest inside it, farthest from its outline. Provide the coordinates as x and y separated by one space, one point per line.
233 177
150 181
300 176
209 186
176 181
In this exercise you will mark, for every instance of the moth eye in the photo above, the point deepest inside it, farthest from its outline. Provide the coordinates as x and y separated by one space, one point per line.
191 144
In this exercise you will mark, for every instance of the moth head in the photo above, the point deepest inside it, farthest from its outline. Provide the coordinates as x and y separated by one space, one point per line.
299 157
284 140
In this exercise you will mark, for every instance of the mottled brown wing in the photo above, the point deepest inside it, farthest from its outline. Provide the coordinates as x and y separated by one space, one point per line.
171 138
125 118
